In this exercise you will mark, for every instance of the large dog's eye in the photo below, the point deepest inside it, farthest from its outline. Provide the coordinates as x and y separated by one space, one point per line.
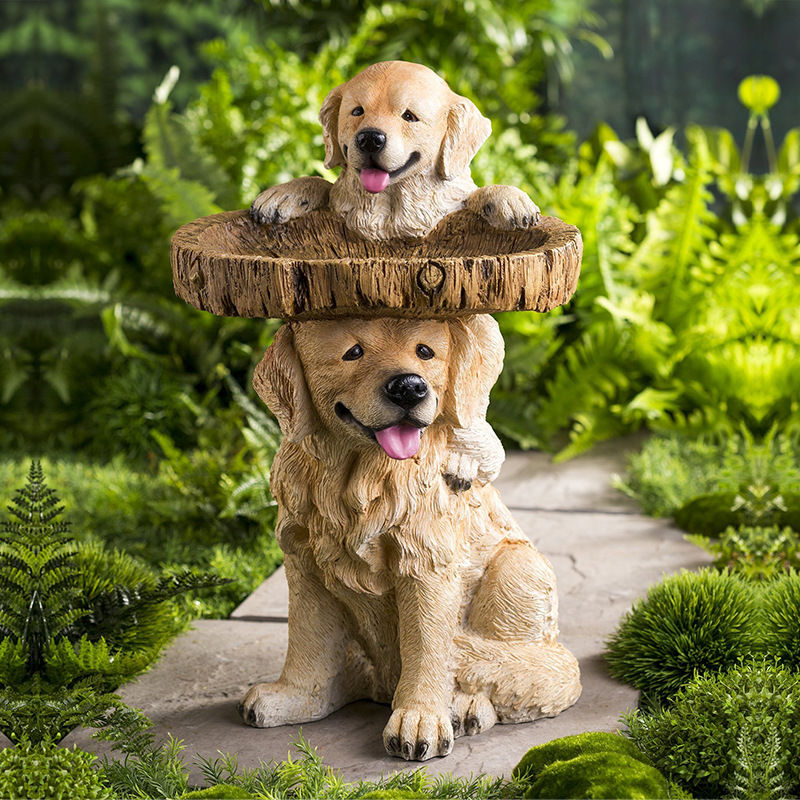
353 354
357 111
408 116
424 352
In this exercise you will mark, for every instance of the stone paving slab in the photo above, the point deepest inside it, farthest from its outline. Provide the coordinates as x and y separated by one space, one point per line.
604 555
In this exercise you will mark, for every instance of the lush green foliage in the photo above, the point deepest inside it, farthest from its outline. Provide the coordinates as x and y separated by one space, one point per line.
75 623
159 771
736 733
599 775
754 553
741 481
44 770
780 606
689 623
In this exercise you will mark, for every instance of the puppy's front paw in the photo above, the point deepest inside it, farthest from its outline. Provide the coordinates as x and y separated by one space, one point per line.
287 201
269 704
417 734
505 207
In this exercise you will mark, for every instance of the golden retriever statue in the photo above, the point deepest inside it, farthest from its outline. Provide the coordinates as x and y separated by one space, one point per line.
404 141
402 588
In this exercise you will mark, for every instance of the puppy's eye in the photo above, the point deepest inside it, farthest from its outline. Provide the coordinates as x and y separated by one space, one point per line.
424 352
357 111
353 354
408 116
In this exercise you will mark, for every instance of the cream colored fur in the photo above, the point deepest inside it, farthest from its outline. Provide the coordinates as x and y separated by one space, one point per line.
443 139
401 589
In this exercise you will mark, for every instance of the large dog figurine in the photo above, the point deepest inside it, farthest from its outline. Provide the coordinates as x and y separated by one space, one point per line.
401 588
404 141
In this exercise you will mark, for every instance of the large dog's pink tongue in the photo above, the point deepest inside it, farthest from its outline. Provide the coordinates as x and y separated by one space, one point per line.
374 180
399 441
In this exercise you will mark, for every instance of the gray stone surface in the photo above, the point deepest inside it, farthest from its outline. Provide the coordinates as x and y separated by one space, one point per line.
604 554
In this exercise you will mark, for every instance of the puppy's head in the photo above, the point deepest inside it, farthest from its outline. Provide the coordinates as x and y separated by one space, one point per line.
395 120
381 382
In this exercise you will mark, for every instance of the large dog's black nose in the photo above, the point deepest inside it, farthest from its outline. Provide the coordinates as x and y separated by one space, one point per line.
370 140
407 390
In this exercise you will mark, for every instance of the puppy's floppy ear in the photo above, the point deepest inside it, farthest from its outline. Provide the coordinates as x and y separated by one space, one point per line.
467 130
474 364
279 381
329 117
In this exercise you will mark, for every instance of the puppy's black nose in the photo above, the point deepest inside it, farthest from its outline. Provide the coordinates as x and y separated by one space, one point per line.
370 140
406 391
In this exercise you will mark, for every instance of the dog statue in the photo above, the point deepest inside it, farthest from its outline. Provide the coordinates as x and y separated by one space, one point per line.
401 590
404 141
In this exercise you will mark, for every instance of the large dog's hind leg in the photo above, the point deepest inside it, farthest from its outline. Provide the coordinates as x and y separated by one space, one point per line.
311 685
509 651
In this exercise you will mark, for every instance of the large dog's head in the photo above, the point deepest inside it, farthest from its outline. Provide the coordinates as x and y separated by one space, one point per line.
396 119
379 382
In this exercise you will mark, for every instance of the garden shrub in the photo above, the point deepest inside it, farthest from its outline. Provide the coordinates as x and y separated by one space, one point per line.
736 728
393 794
780 611
755 553
690 623
568 747
599 775
45 771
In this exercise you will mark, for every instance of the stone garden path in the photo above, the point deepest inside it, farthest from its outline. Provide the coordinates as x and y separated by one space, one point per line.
605 554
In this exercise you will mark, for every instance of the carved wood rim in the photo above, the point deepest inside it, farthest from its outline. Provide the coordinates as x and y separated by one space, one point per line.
315 267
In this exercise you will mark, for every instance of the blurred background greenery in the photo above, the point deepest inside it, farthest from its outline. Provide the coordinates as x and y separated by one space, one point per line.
122 119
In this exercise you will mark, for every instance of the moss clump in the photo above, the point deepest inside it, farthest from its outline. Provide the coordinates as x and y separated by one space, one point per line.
690 623
599 775
222 791
44 770
543 755
716 731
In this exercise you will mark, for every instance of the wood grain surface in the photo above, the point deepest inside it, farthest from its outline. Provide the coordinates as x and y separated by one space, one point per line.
315 268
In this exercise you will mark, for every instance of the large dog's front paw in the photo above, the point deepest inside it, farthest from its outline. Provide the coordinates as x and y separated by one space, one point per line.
287 201
269 704
418 734
460 471
505 207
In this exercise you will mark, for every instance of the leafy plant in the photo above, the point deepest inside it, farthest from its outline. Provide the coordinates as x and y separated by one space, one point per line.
670 473
690 623
68 635
753 553
719 727
44 770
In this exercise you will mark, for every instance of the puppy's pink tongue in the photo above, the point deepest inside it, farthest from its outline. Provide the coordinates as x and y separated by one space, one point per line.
399 441
374 180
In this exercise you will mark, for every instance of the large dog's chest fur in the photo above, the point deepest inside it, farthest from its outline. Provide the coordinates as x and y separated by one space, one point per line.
365 520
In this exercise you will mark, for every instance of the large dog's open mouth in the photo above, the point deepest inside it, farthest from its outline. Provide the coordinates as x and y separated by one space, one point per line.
399 441
375 179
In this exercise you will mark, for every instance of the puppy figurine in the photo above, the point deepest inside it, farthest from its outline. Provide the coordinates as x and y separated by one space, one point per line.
404 141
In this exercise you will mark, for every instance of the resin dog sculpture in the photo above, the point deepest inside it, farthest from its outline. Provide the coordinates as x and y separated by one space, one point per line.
404 141
401 589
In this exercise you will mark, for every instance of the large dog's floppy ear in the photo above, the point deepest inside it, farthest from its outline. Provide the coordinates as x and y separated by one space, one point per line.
279 381
467 130
329 117
475 363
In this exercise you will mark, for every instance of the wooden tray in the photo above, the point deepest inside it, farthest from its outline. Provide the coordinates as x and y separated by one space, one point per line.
315 267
